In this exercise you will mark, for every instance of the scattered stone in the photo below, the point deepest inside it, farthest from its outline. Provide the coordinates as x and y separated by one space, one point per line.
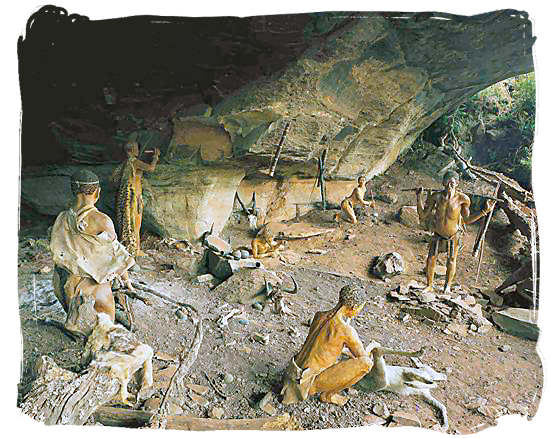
483 329
244 321
204 278
228 378
403 418
504 348
261 338
518 322
45 269
491 411
404 316
408 216
316 251
216 412
518 408
258 306
373 420
476 403
380 409
352 391
200 400
389 266
199 389
168 357
265 404
426 297
217 244
174 408
237 254
165 374
349 236
152 404
246 350
244 254
397 296
458 329
427 312
413 284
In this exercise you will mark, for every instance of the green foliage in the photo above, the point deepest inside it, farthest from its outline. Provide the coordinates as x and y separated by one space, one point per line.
508 109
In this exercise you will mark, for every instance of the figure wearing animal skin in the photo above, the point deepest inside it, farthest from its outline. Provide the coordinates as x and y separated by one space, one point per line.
356 198
86 252
444 214
316 368
128 197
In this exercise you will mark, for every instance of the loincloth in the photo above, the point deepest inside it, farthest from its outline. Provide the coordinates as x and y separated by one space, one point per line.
440 244
297 382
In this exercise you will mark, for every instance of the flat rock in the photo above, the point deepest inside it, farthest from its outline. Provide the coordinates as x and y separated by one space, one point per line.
388 198
199 399
373 420
518 322
168 357
152 404
199 389
406 419
381 410
426 297
216 413
216 243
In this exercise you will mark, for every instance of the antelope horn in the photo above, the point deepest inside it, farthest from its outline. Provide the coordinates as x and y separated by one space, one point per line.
268 287
291 291
241 202
253 201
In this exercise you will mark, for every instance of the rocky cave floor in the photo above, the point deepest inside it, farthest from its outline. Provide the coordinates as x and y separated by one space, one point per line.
489 374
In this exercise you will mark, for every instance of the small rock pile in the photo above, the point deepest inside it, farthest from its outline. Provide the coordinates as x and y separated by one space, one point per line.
458 311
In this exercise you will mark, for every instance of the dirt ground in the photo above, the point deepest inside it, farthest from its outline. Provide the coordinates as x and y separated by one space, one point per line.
489 374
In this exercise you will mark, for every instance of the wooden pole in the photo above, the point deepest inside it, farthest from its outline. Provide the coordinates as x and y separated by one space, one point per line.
279 149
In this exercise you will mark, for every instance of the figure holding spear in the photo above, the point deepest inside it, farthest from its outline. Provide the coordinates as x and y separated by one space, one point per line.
445 213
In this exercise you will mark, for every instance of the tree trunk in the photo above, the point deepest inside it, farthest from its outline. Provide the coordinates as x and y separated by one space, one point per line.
59 396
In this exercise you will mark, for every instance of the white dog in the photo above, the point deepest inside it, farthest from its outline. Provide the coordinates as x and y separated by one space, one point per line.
111 345
403 380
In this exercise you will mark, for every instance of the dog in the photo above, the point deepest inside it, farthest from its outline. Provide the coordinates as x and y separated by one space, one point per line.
403 380
113 346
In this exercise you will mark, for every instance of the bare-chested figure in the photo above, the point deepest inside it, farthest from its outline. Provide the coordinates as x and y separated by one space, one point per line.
316 368
128 200
445 214
356 198
86 253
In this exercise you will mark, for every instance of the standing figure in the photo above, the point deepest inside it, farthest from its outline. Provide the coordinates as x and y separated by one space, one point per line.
316 368
444 214
357 197
87 256
128 199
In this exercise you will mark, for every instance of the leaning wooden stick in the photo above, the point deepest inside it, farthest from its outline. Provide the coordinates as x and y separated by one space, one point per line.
279 149
480 240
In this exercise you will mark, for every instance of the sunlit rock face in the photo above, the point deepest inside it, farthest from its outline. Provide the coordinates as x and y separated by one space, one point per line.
215 94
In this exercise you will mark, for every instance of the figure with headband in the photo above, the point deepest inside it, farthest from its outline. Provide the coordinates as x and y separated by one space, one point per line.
87 257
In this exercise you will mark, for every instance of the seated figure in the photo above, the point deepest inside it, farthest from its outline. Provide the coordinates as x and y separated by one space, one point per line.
87 257
356 198
316 368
